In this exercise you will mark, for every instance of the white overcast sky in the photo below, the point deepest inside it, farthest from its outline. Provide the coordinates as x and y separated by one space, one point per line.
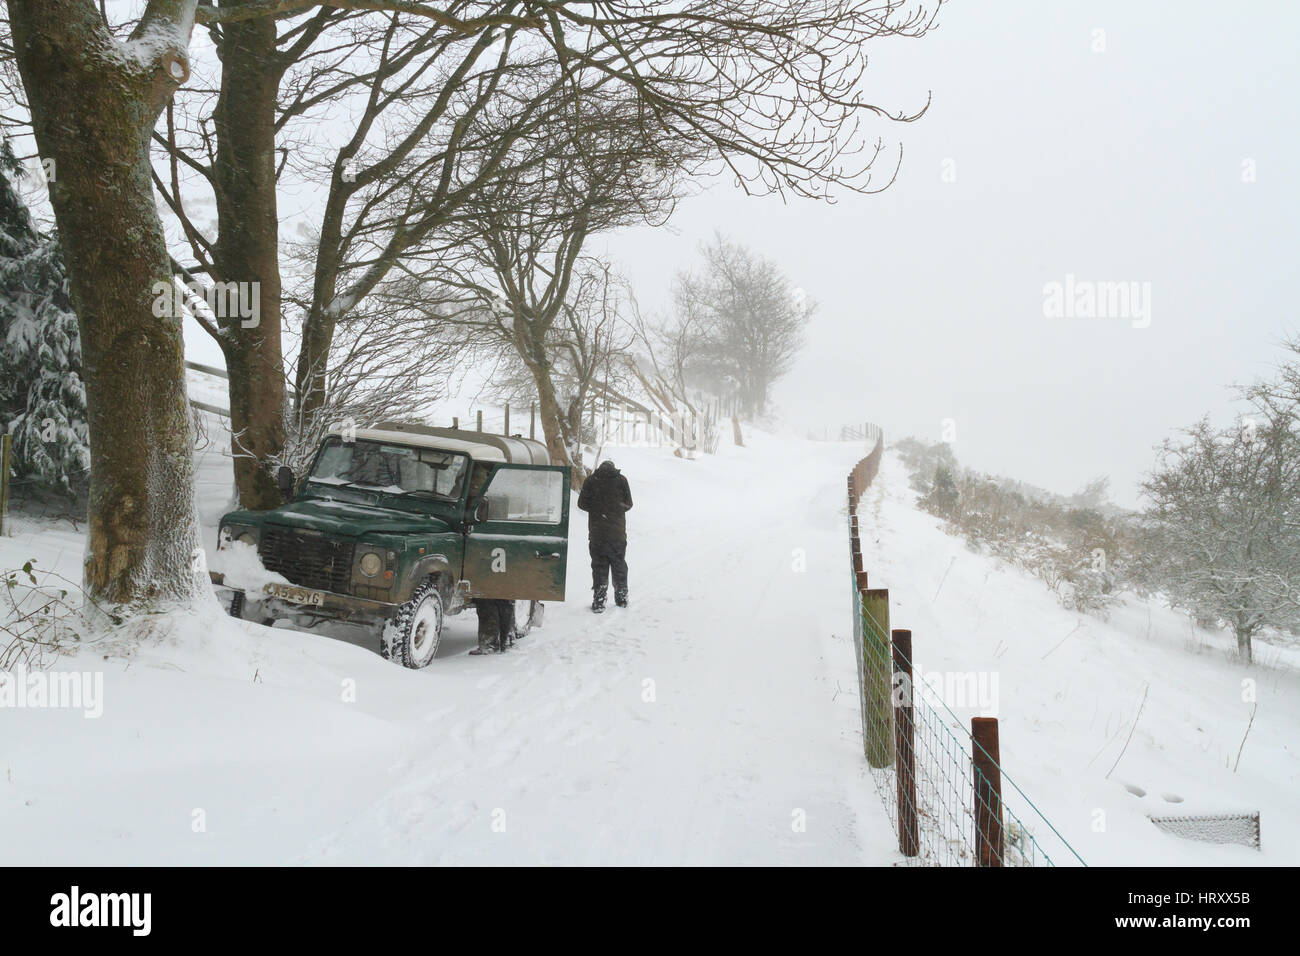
1117 165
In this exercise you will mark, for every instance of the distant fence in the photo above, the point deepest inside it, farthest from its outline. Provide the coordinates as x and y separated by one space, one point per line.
942 783
608 423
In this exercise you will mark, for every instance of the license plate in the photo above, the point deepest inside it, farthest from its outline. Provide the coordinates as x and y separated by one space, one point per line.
296 595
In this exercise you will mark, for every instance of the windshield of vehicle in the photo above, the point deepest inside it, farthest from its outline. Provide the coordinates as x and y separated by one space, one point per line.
390 469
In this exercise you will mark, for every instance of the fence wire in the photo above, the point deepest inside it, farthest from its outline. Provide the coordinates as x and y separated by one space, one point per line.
949 799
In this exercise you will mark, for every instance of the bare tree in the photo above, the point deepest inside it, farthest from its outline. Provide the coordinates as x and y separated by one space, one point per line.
1221 503
384 367
519 271
750 322
767 91
584 350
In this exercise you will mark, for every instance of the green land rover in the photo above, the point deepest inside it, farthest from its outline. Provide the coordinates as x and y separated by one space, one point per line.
398 526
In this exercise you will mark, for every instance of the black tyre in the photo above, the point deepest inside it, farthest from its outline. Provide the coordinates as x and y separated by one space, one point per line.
412 636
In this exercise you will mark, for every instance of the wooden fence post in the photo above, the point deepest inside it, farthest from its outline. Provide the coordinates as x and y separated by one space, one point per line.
860 585
879 745
909 837
480 419
986 761
532 420
506 430
6 454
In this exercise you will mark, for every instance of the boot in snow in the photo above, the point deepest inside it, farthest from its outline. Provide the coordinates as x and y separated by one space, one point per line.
598 599
620 597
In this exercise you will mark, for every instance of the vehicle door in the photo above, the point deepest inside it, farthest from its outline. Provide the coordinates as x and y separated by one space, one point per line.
520 550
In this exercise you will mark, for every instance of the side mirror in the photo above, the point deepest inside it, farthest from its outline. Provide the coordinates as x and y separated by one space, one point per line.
284 478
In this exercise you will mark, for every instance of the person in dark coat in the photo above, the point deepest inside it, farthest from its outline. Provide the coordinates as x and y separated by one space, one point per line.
606 498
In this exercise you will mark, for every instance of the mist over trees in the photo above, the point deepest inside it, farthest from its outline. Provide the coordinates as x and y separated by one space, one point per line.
1219 537
1081 548
744 320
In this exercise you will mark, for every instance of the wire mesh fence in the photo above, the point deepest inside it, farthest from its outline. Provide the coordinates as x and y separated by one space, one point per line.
940 779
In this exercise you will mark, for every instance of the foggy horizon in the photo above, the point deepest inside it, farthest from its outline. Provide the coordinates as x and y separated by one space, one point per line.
1122 165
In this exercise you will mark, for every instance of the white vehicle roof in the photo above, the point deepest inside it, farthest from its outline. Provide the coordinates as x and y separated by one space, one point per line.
479 446
476 450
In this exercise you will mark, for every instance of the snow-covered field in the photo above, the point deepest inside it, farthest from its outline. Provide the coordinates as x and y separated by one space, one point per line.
714 721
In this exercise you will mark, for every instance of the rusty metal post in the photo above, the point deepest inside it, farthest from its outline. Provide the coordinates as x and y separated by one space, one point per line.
909 835
879 745
987 761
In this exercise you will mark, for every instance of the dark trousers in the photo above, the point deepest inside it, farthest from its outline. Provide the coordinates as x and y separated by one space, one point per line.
496 623
608 557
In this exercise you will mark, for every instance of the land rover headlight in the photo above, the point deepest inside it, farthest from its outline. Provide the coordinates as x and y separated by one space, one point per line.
371 564
241 533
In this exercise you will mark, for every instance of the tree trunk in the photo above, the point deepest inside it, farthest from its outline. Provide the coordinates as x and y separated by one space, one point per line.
314 350
560 428
1244 650
93 106
247 252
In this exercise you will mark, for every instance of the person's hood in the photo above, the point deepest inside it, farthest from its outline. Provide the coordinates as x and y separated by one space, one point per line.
606 468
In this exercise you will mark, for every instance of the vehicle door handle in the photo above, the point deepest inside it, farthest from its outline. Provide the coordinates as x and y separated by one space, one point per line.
548 554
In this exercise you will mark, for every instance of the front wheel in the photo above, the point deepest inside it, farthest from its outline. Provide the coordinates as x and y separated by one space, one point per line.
412 636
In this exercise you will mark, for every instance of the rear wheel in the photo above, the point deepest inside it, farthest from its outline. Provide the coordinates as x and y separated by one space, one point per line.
412 636
528 615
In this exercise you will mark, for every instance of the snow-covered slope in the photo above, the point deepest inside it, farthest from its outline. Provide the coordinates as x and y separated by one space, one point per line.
1070 687
714 721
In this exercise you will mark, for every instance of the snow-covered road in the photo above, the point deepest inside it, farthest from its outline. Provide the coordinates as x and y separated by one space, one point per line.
701 725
